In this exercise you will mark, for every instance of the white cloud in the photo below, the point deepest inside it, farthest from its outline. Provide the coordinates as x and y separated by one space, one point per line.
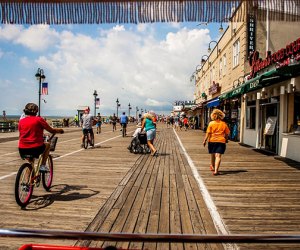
125 63
36 37
10 32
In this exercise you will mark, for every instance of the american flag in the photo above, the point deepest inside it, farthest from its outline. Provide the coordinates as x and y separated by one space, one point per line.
97 102
44 88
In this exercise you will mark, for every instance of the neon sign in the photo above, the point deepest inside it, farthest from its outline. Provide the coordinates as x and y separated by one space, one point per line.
280 57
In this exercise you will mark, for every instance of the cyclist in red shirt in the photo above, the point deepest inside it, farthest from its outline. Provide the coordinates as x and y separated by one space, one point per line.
31 137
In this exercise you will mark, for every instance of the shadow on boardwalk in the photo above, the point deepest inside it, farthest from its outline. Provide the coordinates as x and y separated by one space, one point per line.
254 194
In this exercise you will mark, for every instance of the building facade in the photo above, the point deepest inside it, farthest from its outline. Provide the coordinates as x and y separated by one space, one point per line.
252 74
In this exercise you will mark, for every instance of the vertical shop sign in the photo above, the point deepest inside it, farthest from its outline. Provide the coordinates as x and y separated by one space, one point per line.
251 33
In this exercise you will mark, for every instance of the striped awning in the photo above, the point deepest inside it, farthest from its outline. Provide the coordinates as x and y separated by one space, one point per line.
141 11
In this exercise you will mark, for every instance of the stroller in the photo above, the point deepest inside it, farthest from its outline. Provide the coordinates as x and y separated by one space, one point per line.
139 144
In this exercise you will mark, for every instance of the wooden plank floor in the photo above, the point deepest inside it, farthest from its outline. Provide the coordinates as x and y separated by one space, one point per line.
107 189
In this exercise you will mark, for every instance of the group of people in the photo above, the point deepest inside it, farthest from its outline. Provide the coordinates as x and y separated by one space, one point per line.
179 122
31 127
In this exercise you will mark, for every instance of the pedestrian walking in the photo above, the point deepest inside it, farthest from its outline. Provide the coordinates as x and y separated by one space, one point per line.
217 136
4 115
99 123
114 122
150 128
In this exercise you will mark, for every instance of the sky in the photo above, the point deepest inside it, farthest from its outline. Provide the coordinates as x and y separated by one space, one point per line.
146 65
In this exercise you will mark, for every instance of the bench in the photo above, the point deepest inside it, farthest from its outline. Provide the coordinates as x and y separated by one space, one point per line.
7 126
57 124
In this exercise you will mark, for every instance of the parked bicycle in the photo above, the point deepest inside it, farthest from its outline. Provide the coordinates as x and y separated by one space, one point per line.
30 175
88 139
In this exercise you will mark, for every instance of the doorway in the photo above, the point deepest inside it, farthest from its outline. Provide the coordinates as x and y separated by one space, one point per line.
269 117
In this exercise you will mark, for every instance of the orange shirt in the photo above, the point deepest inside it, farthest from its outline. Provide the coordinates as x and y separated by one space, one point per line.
217 131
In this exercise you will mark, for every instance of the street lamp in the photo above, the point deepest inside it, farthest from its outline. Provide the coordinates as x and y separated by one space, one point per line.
118 105
209 49
203 61
129 107
95 99
40 77
136 112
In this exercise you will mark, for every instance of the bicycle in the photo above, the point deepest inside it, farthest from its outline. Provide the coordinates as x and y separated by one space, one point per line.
124 125
29 175
88 139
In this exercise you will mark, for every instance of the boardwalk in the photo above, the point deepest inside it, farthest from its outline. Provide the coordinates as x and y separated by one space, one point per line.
107 189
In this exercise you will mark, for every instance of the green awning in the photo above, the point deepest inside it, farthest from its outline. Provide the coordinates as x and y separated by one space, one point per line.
257 82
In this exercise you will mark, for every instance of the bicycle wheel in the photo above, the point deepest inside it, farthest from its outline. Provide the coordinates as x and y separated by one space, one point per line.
47 176
85 141
92 140
23 185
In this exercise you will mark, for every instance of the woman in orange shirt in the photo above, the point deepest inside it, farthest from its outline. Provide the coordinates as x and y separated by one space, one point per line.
217 135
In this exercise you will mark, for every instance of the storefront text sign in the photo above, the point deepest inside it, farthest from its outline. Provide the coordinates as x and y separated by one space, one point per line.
251 29
214 88
270 125
237 91
257 64
254 84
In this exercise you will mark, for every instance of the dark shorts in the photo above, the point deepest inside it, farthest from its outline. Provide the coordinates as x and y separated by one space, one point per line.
85 131
35 152
216 147
123 125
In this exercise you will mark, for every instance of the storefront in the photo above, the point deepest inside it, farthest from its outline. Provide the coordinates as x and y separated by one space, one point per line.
272 110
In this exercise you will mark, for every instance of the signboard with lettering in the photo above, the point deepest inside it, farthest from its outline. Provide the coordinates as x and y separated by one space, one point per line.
270 125
281 57
251 34
184 103
214 88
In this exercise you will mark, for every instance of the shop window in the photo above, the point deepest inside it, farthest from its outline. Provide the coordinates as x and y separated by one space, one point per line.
250 115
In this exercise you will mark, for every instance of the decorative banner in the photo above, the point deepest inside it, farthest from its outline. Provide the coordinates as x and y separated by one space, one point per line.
44 88
97 102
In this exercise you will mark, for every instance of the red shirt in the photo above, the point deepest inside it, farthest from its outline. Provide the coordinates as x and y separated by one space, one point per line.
31 131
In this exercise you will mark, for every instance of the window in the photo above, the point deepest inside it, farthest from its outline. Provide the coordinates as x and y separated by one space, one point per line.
220 69
250 115
224 65
236 53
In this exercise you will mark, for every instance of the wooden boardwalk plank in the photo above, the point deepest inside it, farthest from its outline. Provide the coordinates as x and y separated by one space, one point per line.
107 189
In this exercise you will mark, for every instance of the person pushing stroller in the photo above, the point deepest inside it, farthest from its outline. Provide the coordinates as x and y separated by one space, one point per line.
138 141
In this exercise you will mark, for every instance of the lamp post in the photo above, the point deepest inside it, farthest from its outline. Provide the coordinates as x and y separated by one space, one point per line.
136 112
118 105
203 61
129 108
209 49
40 77
95 94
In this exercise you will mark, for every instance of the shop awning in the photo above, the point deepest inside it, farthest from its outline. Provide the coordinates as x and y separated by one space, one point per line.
268 78
213 103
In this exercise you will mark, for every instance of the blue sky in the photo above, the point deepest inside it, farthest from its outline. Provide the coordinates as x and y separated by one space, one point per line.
146 65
